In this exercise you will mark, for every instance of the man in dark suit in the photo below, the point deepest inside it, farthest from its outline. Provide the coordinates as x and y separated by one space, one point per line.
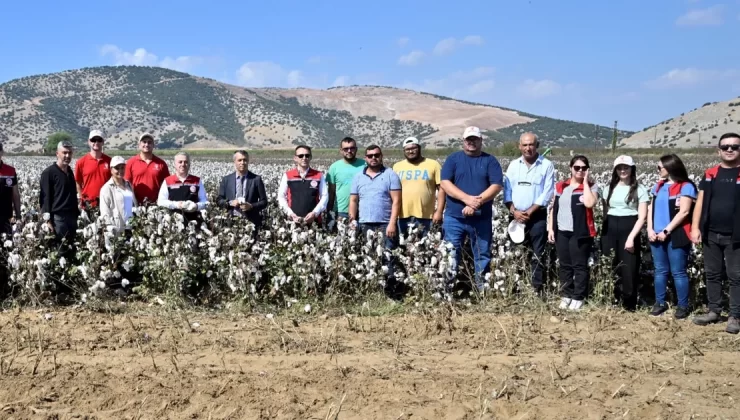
243 192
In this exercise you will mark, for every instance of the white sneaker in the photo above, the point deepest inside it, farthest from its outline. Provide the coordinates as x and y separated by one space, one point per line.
575 305
564 302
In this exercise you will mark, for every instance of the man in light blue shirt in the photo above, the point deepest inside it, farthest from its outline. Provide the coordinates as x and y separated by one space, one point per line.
528 189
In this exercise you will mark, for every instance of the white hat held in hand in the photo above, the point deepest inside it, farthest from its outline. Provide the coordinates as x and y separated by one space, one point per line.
516 231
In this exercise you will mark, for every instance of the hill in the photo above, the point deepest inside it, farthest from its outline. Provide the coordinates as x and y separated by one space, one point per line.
193 112
700 127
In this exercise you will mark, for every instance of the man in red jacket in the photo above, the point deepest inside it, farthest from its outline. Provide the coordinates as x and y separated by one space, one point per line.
92 171
146 172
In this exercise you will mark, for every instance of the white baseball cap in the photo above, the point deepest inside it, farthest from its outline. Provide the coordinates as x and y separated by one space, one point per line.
624 160
516 231
472 132
146 135
409 141
117 160
96 133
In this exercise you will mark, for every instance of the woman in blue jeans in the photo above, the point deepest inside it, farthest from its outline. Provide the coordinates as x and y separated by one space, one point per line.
669 227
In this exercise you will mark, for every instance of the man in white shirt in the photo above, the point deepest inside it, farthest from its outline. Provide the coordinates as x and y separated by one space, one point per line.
303 194
182 191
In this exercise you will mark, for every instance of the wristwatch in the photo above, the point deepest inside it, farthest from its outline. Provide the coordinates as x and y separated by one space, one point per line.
665 231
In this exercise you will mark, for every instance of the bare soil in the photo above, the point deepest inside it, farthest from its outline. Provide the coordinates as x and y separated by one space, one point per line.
72 363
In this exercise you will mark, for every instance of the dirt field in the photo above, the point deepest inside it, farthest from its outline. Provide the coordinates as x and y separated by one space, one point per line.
59 364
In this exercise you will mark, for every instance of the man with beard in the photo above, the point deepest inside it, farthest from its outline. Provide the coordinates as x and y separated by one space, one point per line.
716 225
243 192
183 192
340 175
92 171
471 178
146 172
420 178
58 196
528 188
375 195
302 194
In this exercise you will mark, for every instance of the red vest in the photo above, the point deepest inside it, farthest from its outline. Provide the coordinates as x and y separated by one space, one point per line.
681 236
303 193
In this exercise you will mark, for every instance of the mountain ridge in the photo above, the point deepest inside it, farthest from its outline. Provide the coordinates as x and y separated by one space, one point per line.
185 111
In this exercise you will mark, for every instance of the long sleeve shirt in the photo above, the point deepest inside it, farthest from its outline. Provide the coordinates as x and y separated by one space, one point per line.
58 190
286 204
163 199
527 185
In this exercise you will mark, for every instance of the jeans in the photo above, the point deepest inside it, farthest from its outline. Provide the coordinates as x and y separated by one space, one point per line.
390 244
535 239
721 252
668 259
573 253
343 214
423 224
626 265
480 233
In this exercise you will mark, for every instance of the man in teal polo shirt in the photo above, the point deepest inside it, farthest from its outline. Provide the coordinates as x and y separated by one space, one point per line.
340 177
376 195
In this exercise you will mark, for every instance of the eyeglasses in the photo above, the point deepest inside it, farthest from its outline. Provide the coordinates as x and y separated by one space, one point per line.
96 140
373 155
733 147
579 168
411 149
660 167
303 156
349 149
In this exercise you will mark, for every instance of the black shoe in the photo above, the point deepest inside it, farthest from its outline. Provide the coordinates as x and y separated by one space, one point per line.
733 325
681 313
658 309
706 319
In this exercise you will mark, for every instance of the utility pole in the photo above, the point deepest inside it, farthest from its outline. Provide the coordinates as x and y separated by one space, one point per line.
614 139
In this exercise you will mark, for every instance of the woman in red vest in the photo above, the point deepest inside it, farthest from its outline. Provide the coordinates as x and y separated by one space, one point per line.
669 232
571 227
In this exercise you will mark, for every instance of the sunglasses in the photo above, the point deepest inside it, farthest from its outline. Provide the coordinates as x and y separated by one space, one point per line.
373 155
733 147
96 140
349 149
579 168
302 156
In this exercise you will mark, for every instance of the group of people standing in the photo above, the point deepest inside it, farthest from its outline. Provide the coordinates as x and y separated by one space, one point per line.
418 193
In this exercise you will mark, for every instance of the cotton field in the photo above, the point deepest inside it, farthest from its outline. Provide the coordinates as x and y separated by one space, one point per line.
287 263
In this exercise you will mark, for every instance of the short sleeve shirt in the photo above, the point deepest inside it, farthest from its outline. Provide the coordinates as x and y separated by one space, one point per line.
374 195
146 178
92 174
661 213
419 183
340 175
473 175
618 205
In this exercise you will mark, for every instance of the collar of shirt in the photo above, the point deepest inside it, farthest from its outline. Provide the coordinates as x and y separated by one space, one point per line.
537 161
382 169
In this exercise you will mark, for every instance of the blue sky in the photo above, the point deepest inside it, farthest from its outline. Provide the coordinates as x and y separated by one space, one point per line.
638 62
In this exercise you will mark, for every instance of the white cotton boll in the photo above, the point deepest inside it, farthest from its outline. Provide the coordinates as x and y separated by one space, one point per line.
591 262
124 282
8 244
62 262
307 308
46 217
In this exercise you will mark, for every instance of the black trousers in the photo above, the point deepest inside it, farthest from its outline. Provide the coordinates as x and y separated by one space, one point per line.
721 253
65 226
535 241
573 253
6 228
625 265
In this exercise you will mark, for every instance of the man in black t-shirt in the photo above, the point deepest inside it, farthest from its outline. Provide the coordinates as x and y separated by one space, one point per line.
715 224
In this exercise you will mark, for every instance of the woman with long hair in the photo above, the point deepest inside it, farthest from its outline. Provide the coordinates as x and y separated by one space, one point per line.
625 207
571 227
117 199
669 232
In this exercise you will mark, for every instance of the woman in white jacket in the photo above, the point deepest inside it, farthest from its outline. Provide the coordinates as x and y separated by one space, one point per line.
117 199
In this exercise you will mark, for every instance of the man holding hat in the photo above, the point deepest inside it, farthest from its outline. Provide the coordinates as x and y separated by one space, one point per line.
420 178
471 179
146 172
92 171
528 188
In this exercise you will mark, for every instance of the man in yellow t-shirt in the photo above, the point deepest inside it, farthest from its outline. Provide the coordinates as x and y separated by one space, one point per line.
420 178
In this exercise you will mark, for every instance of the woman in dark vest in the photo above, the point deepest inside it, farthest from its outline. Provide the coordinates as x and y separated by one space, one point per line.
571 227
669 228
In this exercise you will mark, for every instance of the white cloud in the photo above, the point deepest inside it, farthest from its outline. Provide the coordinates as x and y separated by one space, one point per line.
403 41
295 78
142 57
448 45
480 87
690 76
539 88
411 59
711 16
341 81
464 83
